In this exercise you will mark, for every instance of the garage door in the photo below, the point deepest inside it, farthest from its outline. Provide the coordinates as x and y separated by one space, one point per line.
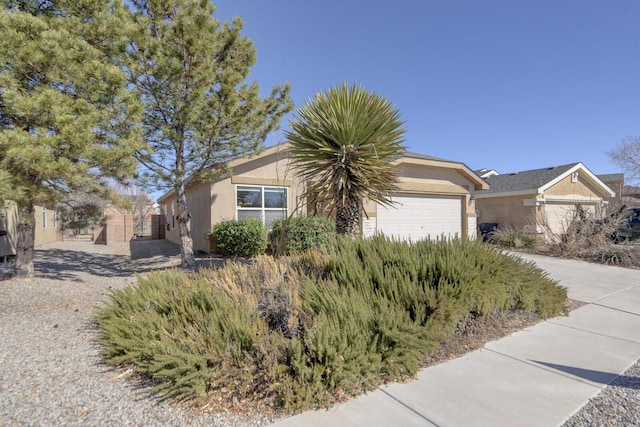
560 215
420 217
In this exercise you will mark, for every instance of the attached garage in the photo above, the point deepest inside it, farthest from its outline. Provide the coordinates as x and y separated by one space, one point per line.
542 202
418 217
559 216
434 198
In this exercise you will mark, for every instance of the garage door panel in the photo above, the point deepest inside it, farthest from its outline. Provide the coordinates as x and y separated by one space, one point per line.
560 215
420 217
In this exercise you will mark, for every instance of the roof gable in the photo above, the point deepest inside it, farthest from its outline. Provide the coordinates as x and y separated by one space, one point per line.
536 181
526 181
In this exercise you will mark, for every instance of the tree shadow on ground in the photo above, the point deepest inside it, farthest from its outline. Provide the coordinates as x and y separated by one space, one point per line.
67 263
143 257
61 264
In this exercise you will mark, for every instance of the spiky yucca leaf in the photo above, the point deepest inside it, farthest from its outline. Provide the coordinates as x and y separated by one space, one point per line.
344 142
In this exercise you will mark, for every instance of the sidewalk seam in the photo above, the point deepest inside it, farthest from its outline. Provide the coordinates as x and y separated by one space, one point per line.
537 365
614 293
617 309
593 333
409 408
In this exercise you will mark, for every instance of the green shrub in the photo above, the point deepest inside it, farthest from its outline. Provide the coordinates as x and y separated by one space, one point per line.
300 330
245 237
300 233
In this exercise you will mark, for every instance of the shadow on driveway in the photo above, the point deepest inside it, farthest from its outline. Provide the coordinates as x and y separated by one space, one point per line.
62 264
64 260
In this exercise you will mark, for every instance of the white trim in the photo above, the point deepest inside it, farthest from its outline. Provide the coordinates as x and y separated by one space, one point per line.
262 209
586 171
532 202
572 198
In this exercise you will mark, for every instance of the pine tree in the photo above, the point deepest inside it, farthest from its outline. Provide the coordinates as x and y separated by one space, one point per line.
190 70
67 119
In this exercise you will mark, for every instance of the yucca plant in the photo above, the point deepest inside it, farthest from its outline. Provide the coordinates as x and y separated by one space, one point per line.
343 145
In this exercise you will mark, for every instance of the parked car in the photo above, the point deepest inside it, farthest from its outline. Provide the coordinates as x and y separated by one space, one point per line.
629 225
488 231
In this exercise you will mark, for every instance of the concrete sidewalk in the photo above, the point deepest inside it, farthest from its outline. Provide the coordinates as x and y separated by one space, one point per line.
539 376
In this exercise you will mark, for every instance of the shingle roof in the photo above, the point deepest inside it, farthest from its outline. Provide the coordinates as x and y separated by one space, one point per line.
425 157
611 177
525 180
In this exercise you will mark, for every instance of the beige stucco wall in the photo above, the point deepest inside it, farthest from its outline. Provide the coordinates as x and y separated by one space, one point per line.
506 211
168 209
565 187
8 222
46 231
521 211
212 202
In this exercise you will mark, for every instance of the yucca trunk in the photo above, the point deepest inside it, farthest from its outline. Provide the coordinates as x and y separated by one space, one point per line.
348 217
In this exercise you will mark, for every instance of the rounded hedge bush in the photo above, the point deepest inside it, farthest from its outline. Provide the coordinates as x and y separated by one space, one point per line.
300 233
244 238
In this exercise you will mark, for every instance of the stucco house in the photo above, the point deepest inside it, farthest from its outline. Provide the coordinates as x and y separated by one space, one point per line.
47 227
435 198
542 201
626 195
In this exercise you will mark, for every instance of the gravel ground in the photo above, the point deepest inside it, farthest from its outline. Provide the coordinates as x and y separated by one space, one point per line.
50 371
617 405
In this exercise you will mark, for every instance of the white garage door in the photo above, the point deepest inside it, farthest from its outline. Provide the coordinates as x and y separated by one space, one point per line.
420 217
560 215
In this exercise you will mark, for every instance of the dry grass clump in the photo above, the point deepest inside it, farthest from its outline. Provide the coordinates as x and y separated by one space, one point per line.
585 237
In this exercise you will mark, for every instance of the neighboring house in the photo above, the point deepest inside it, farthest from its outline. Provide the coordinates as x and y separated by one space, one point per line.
141 210
486 173
626 195
102 221
47 227
542 201
435 198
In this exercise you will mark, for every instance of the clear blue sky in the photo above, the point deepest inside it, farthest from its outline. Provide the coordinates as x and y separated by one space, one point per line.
502 84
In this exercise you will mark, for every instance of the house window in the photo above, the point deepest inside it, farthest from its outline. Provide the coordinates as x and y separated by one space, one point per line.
55 219
44 218
265 203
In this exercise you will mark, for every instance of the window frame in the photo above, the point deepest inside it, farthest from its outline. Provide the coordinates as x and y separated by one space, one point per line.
262 209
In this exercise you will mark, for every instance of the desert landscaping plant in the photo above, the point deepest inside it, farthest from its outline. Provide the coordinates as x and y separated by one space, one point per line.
510 237
343 144
593 239
310 329
300 233
244 238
